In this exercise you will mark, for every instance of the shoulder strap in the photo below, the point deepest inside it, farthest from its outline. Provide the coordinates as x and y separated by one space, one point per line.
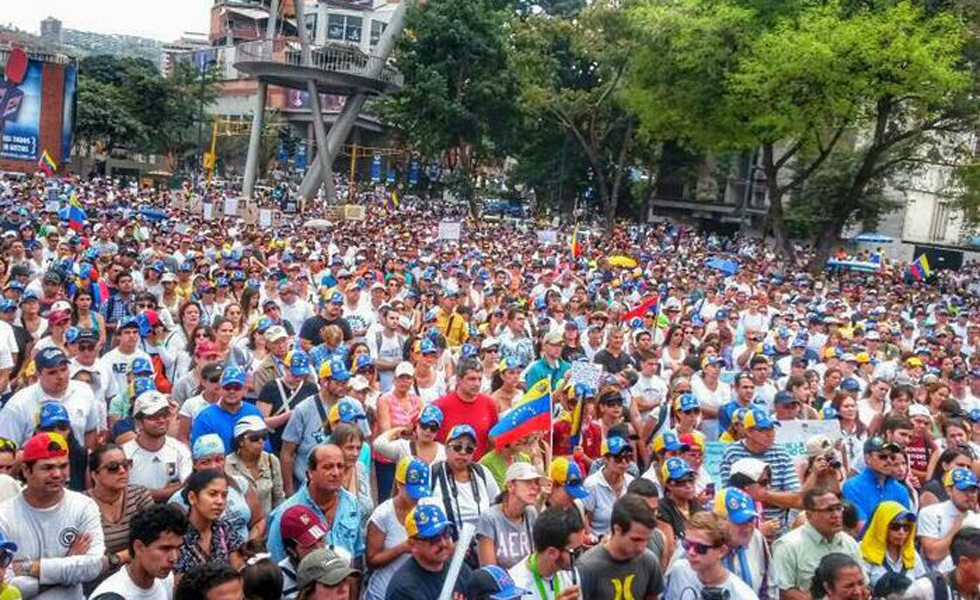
320 409
439 470
940 589
478 469
411 448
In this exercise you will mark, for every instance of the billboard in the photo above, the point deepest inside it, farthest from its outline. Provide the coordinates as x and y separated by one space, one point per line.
20 115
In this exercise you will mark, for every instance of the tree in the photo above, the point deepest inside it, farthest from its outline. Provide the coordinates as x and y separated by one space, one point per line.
572 71
103 118
458 100
881 79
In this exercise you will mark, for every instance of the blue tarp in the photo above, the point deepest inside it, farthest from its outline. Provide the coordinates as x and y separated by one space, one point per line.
727 266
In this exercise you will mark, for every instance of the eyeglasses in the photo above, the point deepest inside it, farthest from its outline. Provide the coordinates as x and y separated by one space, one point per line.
145 305
900 526
698 547
433 427
233 387
462 448
256 437
831 508
114 467
86 347
214 379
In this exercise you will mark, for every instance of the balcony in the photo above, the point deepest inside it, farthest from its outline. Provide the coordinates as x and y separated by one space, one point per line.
336 69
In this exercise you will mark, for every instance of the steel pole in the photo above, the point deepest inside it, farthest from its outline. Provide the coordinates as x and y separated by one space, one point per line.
258 116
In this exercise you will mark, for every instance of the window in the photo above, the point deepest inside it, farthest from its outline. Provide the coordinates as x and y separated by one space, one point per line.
940 221
311 26
377 28
345 28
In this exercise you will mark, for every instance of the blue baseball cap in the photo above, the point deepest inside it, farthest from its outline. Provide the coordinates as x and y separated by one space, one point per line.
50 358
128 323
71 335
264 324
675 468
413 473
686 402
142 366
961 478
459 431
850 385
6 544
735 505
346 411
494 583
974 415
432 414
52 414
364 361
335 368
615 445
298 363
208 444
567 473
758 418
467 351
426 521
233 376
427 347
7 304
336 298
143 384
667 442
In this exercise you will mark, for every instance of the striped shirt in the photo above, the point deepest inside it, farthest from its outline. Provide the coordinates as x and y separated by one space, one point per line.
782 476
136 498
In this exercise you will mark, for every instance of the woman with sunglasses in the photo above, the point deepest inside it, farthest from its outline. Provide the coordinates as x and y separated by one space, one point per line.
118 502
505 384
466 489
686 413
84 317
417 439
249 461
889 544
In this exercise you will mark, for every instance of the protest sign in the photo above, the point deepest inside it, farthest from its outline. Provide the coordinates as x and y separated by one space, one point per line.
548 236
588 373
265 218
231 207
449 230
208 211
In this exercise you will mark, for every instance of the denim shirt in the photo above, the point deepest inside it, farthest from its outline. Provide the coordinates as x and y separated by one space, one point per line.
345 532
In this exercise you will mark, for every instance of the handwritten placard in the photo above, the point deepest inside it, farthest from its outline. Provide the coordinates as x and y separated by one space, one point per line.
791 436
588 373
231 207
208 211
449 230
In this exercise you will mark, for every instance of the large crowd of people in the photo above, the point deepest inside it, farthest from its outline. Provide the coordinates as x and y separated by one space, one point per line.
207 408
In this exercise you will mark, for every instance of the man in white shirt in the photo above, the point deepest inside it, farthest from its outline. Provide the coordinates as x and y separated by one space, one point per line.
548 573
155 535
160 463
705 545
119 360
18 416
386 347
58 532
938 523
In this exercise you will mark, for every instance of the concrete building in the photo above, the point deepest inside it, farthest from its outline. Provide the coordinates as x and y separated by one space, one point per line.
51 32
181 48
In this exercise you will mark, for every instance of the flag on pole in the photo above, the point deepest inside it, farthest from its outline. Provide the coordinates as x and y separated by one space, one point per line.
47 164
650 302
531 415
581 392
393 202
576 245
919 269
74 214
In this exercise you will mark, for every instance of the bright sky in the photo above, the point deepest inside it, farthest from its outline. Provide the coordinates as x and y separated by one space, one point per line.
164 20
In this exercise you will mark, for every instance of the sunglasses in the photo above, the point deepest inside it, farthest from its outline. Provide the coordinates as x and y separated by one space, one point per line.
462 448
6 558
692 411
433 427
256 437
621 458
698 547
147 305
214 379
114 467
86 347
233 387
900 526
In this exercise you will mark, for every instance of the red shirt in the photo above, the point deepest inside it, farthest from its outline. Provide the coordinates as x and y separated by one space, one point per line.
480 414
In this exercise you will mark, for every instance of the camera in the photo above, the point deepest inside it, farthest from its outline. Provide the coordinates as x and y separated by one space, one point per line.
715 593
832 460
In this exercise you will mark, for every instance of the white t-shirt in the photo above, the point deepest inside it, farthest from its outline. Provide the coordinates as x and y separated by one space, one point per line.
156 470
682 582
710 399
386 520
47 534
562 580
120 583
193 407
18 416
118 366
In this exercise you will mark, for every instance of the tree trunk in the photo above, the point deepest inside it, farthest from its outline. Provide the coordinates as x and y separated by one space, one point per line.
777 217
613 201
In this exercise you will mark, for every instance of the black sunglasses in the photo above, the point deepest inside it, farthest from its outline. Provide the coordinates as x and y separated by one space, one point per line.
433 427
698 547
114 467
86 347
256 437
462 448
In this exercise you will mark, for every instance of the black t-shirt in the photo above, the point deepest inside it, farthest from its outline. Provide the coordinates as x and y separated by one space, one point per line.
311 328
611 363
271 394
412 582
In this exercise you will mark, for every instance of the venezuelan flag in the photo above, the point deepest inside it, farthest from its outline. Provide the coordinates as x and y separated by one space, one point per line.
575 431
393 202
47 164
576 246
74 214
531 415
919 269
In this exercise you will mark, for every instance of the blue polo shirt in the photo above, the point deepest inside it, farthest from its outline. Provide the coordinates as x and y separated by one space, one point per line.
215 419
868 489
345 531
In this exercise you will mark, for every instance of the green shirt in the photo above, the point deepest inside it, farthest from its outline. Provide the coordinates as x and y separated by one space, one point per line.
795 556
498 466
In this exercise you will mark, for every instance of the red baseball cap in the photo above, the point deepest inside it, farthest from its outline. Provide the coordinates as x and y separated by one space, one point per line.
301 524
44 445
205 347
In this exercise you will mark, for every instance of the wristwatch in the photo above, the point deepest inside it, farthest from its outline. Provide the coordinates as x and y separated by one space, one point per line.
114 560
25 568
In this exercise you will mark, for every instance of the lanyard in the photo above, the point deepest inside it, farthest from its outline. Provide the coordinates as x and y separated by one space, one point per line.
745 573
555 581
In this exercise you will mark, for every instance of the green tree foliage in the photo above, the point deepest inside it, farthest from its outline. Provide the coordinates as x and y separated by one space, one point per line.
458 100
126 103
881 82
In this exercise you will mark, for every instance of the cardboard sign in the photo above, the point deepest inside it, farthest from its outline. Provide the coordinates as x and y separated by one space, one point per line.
265 218
548 236
231 207
52 206
208 211
585 372
449 230
790 436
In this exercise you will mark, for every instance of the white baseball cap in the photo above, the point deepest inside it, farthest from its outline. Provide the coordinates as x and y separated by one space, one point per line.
250 424
521 471
404 368
150 403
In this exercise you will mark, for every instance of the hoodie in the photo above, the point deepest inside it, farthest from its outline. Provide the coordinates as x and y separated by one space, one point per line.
874 544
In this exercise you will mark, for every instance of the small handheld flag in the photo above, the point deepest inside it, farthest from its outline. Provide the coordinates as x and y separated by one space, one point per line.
531 415
74 214
47 164
919 269
576 246
642 308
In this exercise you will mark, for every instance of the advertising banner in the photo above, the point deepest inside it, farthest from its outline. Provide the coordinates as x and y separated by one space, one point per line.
68 112
376 168
20 116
